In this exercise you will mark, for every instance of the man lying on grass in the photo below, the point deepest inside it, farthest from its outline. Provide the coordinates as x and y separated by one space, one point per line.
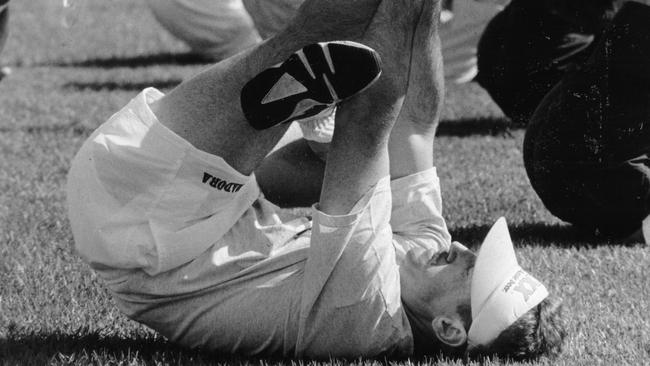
165 207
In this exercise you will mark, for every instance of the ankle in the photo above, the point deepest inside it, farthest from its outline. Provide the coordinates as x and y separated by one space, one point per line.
284 44
368 119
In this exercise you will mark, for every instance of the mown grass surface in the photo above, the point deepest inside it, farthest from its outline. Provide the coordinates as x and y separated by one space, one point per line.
67 80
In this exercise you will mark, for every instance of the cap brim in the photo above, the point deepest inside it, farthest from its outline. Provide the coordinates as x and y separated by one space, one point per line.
495 262
501 291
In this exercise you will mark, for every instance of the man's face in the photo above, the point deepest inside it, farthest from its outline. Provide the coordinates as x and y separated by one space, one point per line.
436 283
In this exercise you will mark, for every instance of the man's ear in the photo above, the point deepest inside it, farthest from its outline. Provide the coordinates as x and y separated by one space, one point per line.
449 331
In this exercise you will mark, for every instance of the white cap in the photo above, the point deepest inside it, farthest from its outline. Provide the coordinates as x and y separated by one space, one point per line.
501 291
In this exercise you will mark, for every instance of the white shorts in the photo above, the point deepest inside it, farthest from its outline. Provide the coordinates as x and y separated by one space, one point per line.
140 196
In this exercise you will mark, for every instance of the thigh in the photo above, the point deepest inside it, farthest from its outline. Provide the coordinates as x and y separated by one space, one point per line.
292 175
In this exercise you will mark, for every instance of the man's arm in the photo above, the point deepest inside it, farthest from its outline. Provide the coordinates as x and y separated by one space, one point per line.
417 218
358 156
411 141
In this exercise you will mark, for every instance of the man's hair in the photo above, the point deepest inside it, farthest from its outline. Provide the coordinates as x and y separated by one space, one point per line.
541 331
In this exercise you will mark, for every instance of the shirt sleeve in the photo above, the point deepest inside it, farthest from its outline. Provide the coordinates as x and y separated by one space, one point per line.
351 296
416 218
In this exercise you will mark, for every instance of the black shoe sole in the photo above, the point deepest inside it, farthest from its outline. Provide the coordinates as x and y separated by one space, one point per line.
316 77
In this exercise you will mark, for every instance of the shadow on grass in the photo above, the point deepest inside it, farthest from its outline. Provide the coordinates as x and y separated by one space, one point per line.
121 85
539 235
75 128
91 348
165 58
85 348
475 127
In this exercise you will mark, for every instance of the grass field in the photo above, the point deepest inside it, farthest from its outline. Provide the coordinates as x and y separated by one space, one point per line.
72 69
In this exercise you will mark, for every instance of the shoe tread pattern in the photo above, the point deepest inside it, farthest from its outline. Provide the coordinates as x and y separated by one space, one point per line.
355 67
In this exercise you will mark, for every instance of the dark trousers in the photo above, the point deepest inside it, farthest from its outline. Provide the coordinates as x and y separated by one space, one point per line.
526 49
587 146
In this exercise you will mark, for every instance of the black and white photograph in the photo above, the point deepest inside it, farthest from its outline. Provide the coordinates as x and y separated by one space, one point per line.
325 182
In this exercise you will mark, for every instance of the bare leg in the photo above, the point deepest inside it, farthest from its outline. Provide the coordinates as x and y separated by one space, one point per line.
411 141
292 176
359 151
205 110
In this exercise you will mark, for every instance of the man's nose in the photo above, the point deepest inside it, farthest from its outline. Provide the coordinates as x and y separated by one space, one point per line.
459 252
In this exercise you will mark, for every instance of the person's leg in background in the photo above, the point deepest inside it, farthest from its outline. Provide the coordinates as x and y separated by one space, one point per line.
271 16
527 48
214 29
462 23
587 150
